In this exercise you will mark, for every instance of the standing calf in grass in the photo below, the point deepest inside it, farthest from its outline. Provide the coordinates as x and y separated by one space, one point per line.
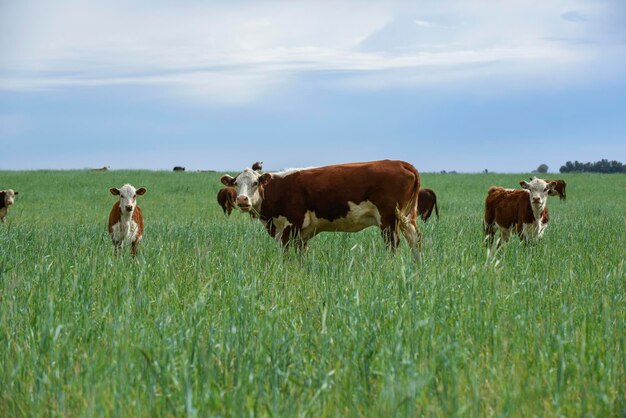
524 209
226 197
125 219
7 198
426 201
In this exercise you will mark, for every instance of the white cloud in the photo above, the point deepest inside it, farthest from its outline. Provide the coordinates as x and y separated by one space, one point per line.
232 53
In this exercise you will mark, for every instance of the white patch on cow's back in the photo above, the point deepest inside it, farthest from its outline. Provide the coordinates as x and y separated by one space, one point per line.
359 217
288 171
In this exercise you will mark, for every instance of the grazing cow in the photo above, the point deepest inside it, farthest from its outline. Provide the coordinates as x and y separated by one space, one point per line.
525 209
7 198
179 168
559 188
105 168
426 202
226 198
296 205
126 219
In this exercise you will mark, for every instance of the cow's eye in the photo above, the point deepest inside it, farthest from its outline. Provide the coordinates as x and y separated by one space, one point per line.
256 183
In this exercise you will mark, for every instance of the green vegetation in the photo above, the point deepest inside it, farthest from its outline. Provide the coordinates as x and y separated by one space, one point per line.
212 319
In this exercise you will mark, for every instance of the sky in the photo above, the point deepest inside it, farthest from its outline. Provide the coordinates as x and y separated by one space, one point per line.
216 85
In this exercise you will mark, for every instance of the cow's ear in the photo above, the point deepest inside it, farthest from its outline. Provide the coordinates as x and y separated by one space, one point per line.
550 187
16 193
227 180
265 179
2 194
524 184
141 191
114 191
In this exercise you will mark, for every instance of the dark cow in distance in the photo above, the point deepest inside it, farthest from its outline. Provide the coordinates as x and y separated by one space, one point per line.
295 205
525 209
226 198
178 168
426 202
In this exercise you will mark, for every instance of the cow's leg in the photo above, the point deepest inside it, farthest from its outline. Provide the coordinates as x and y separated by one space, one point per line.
411 232
134 249
490 233
117 246
389 231
506 233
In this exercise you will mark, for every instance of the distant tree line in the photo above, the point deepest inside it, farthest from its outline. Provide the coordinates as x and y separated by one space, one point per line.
602 166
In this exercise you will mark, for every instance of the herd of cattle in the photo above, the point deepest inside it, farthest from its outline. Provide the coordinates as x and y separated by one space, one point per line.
295 205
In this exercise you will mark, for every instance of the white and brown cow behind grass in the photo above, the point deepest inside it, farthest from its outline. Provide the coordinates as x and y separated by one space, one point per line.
125 218
295 205
7 198
524 209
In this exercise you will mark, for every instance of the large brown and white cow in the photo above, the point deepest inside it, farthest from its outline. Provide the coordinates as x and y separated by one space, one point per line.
295 205
7 198
426 203
524 209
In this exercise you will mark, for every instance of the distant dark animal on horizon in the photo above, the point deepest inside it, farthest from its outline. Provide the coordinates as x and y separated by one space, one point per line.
179 168
226 198
7 198
105 168
426 202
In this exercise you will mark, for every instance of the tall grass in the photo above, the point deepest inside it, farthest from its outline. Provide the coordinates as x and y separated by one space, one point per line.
213 319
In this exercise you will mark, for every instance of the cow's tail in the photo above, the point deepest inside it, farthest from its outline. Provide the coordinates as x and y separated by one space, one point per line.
436 208
407 217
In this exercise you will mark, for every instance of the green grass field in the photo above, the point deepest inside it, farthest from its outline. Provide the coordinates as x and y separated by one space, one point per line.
212 319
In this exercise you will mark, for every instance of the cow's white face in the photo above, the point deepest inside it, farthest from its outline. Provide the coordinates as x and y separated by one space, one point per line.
249 185
538 191
9 197
128 197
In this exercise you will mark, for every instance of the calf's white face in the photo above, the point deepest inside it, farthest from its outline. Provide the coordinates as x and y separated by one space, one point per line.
9 197
128 197
249 185
538 191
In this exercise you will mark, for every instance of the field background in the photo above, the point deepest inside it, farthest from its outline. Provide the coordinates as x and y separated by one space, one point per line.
212 319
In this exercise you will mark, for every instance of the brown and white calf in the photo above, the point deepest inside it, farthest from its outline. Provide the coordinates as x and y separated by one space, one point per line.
7 198
295 205
524 209
559 188
126 219
426 202
226 198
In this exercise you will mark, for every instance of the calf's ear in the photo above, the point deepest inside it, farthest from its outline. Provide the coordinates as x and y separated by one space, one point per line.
265 179
16 193
141 191
227 180
114 191
524 184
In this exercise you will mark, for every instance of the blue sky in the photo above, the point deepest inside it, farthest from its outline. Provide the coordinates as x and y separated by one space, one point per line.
446 85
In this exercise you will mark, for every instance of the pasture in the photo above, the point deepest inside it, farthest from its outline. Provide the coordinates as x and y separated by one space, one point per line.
212 319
